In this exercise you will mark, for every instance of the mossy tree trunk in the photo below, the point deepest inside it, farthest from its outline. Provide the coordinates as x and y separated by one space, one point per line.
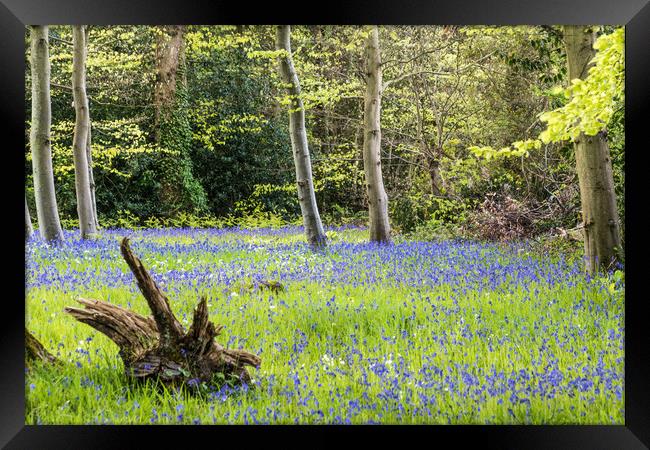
433 164
169 46
91 177
600 221
176 189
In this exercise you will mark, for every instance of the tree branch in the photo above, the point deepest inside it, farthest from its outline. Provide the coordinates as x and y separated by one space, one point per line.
410 74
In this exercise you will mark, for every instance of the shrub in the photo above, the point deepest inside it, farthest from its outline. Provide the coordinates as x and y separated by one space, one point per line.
435 230
500 218
416 210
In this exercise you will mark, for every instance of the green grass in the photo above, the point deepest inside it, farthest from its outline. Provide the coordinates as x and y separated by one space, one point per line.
430 333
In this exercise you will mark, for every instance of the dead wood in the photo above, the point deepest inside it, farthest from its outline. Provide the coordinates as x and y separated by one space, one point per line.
157 346
35 352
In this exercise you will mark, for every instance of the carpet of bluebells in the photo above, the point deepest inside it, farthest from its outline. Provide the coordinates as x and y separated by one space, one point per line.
417 332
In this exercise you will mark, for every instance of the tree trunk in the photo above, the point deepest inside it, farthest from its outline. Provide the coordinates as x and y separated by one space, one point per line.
175 189
158 347
80 139
91 177
306 195
28 221
434 174
601 227
377 198
46 208
168 51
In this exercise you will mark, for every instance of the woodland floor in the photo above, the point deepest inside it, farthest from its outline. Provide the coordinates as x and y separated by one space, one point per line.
417 332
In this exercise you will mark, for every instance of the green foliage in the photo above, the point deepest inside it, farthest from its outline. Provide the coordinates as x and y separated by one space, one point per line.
261 219
519 148
550 246
616 141
268 204
592 100
436 230
337 174
69 223
336 215
591 106
464 95
123 219
238 141
419 209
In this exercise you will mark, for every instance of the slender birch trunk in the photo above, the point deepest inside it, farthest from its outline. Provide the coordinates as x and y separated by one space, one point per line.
46 208
80 138
377 198
601 226
28 221
306 195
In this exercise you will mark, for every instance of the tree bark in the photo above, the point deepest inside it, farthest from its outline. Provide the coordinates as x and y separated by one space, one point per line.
377 198
80 140
157 347
176 189
600 224
35 352
28 221
306 195
46 208
434 174
168 52
91 176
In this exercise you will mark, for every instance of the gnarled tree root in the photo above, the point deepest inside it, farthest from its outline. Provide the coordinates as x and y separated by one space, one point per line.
158 347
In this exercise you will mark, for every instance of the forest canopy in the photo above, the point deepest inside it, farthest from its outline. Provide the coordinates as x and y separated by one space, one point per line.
474 121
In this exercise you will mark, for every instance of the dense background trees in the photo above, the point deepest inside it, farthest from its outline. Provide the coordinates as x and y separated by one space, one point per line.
191 121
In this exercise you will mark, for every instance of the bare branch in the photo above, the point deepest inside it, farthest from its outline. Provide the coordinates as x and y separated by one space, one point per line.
410 74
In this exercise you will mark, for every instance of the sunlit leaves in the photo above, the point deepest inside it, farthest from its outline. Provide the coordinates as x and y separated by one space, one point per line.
113 140
211 130
518 148
594 99
201 41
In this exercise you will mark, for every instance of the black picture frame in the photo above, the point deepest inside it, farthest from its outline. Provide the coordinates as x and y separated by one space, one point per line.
635 14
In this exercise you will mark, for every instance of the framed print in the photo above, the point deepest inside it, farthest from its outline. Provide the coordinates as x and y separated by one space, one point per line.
392 220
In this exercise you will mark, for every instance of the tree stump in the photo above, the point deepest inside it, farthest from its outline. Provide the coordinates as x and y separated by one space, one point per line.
157 347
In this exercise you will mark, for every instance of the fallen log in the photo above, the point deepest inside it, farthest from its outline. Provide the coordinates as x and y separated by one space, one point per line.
35 352
157 347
